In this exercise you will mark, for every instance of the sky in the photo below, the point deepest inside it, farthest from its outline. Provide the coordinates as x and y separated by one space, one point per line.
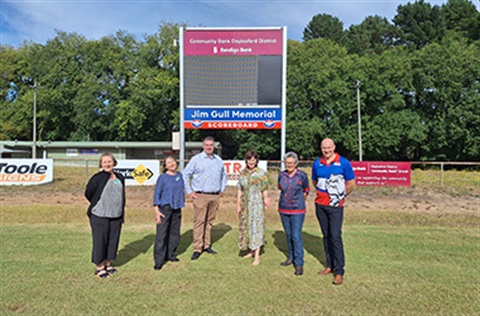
38 20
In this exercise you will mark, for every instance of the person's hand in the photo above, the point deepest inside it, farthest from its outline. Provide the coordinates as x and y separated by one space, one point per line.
158 217
193 195
266 200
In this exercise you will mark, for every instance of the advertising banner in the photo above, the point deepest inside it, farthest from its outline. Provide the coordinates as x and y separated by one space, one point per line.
139 172
233 168
26 171
381 173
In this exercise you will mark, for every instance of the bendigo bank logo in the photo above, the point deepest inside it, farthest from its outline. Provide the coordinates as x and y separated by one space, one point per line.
25 173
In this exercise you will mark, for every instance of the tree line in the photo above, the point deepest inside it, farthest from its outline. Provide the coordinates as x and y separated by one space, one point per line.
419 77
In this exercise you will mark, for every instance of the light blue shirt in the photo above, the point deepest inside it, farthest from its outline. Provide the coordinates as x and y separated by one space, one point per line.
208 174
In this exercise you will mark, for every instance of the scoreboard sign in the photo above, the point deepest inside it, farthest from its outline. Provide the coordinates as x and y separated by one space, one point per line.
233 78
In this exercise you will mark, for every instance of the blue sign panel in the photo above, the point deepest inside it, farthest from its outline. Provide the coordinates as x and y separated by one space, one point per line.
233 114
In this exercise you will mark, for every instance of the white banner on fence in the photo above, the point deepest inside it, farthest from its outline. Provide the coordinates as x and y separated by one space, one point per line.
139 172
233 168
26 171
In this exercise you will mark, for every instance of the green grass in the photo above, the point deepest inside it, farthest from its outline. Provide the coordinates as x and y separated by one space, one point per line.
46 269
397 262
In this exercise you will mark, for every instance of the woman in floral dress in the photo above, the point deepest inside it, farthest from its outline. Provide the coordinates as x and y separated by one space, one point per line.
252 198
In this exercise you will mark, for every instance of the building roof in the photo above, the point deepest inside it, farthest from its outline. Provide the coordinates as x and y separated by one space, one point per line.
65 144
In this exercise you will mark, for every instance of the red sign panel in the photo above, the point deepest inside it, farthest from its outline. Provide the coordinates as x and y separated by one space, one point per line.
228 43
381 173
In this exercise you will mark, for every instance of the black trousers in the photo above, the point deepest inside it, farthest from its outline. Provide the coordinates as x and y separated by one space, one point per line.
167 238
106 236
330 219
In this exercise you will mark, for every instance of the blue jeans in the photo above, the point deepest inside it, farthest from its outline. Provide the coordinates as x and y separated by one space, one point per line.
292 224
330 219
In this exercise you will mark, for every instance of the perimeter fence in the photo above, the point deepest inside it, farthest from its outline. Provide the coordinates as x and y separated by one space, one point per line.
439 173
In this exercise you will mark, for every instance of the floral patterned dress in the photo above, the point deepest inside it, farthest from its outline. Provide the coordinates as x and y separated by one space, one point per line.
252 219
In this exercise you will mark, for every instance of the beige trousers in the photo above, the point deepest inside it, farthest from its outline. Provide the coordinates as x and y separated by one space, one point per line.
205 208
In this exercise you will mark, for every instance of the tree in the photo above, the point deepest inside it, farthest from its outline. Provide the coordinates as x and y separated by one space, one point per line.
463 18
373 35
153 94
419 24
318 95
13 114
324 26
446 91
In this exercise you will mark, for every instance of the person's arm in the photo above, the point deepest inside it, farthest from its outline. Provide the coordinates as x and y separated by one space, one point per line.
157 195
314 176
350 178
158 215
224 180
239 203
187 174
349 186
306 185
91 188
266 185
266 198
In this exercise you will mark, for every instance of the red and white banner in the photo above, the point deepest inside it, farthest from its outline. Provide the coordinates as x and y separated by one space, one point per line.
233 168
381 173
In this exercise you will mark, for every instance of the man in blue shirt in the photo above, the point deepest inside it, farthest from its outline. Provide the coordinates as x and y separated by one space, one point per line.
208 181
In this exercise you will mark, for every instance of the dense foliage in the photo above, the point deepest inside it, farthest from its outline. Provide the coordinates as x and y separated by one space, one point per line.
419 74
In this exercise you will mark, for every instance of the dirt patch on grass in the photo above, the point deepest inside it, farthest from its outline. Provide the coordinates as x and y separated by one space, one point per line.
364 199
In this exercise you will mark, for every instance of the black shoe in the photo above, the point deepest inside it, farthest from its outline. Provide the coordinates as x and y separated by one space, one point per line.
210 251
286 263
298 270
174 259
157 267
196 255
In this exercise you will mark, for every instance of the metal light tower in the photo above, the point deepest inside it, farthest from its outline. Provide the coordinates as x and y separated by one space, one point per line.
357 85
34 137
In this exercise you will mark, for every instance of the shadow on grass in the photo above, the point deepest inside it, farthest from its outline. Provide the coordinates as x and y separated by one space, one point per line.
134 249
314 245
185 242
280 241
311 243
217 233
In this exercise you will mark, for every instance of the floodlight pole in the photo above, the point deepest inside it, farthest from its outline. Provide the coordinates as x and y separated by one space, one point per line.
181 155
357 85
284 100
34 136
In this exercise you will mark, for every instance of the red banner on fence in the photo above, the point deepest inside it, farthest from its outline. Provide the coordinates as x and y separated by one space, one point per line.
381 173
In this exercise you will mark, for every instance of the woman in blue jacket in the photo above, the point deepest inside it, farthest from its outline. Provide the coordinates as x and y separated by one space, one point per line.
168 200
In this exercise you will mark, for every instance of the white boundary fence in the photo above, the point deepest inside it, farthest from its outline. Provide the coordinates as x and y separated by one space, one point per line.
275 165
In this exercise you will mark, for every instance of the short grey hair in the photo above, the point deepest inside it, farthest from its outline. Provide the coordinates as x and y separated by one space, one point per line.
293 155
